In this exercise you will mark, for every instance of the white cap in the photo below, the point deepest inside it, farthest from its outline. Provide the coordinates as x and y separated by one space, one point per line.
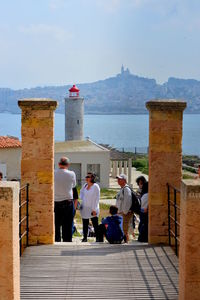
122 176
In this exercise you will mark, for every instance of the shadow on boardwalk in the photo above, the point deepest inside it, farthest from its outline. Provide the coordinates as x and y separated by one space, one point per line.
99 271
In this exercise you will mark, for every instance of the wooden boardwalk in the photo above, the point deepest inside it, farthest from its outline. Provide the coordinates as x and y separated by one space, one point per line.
99 271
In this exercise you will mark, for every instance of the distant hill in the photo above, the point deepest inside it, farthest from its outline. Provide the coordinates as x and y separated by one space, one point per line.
123 94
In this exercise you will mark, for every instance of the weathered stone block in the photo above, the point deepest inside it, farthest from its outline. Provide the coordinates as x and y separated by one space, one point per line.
9 241
189 267
165 161
37 166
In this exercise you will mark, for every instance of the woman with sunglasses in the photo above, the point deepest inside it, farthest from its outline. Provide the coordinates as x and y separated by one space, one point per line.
90 195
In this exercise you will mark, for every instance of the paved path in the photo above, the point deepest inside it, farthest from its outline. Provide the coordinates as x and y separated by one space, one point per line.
99 271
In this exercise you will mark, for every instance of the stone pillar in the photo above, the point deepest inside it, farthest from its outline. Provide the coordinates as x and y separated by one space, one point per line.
125 167
114 168
83 173
189 258
37 166
165 161
9 241
117 168
120 167
130 171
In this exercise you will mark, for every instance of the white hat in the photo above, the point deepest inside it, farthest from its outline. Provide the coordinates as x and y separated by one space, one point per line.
122 176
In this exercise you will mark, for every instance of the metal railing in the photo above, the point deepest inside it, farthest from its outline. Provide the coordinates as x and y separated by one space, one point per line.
23 216
173 216
135 150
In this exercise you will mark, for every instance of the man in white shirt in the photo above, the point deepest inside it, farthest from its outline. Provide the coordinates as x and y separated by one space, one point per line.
64 181
124 202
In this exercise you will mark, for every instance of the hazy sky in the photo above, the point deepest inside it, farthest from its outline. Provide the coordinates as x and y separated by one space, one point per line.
56 42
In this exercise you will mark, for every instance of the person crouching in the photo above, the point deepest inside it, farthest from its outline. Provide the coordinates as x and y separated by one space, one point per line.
111 227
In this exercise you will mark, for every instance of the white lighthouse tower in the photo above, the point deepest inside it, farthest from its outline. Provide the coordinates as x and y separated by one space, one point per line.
74 113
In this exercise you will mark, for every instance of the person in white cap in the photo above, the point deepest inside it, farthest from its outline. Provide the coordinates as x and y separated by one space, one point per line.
124 202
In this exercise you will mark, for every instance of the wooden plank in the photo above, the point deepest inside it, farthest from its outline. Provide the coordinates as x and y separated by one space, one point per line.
99 271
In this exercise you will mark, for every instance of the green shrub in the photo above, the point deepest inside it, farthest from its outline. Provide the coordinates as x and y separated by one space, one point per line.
142 165
189 169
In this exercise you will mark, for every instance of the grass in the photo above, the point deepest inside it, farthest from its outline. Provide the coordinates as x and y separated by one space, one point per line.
187 176
104 212
108 193
105 193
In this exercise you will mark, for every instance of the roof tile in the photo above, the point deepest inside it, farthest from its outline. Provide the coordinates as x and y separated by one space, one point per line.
9 142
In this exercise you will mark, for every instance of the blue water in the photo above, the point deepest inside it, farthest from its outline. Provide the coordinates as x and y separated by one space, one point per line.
121 131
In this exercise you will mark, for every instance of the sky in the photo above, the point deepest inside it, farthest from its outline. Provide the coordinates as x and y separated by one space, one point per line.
58 42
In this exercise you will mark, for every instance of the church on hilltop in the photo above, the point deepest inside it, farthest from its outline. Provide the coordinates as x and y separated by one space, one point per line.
124 72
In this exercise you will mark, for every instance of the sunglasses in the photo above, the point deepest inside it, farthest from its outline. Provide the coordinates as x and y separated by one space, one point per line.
88 177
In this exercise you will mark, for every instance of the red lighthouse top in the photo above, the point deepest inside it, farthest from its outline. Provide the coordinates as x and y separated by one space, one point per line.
74 91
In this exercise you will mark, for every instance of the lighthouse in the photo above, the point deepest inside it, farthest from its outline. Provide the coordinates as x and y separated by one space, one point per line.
74 113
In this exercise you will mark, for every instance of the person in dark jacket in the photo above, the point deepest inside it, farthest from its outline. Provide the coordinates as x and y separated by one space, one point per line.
143 225
75 198
112 227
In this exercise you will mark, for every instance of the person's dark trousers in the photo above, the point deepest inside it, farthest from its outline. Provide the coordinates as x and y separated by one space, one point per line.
95 225
143 227
64 212
102 232
58 220
73 226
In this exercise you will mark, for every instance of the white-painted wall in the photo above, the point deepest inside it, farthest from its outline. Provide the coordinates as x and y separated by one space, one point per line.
84 158
12 158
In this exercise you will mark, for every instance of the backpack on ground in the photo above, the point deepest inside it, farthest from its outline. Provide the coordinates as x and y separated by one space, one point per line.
136 205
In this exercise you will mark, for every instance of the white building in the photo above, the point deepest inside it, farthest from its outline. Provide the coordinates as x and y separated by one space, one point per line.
10 158
85 156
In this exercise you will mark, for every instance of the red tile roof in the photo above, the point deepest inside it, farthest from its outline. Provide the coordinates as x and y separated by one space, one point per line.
9 142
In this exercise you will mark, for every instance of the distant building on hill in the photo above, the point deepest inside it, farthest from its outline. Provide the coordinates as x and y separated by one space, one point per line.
125 72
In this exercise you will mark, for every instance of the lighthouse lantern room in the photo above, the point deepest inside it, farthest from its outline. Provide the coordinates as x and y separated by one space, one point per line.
74 92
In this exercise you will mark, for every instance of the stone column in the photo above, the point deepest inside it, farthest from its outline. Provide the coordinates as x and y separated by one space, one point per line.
130 171
37 166
9 244
189 258
114 168
165 161
117 168
125 167
83 172
120 167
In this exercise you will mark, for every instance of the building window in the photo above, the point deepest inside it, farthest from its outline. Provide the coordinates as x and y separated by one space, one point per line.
78 122
94 168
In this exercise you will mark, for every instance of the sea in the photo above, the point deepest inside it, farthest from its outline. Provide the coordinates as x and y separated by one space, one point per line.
127 132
